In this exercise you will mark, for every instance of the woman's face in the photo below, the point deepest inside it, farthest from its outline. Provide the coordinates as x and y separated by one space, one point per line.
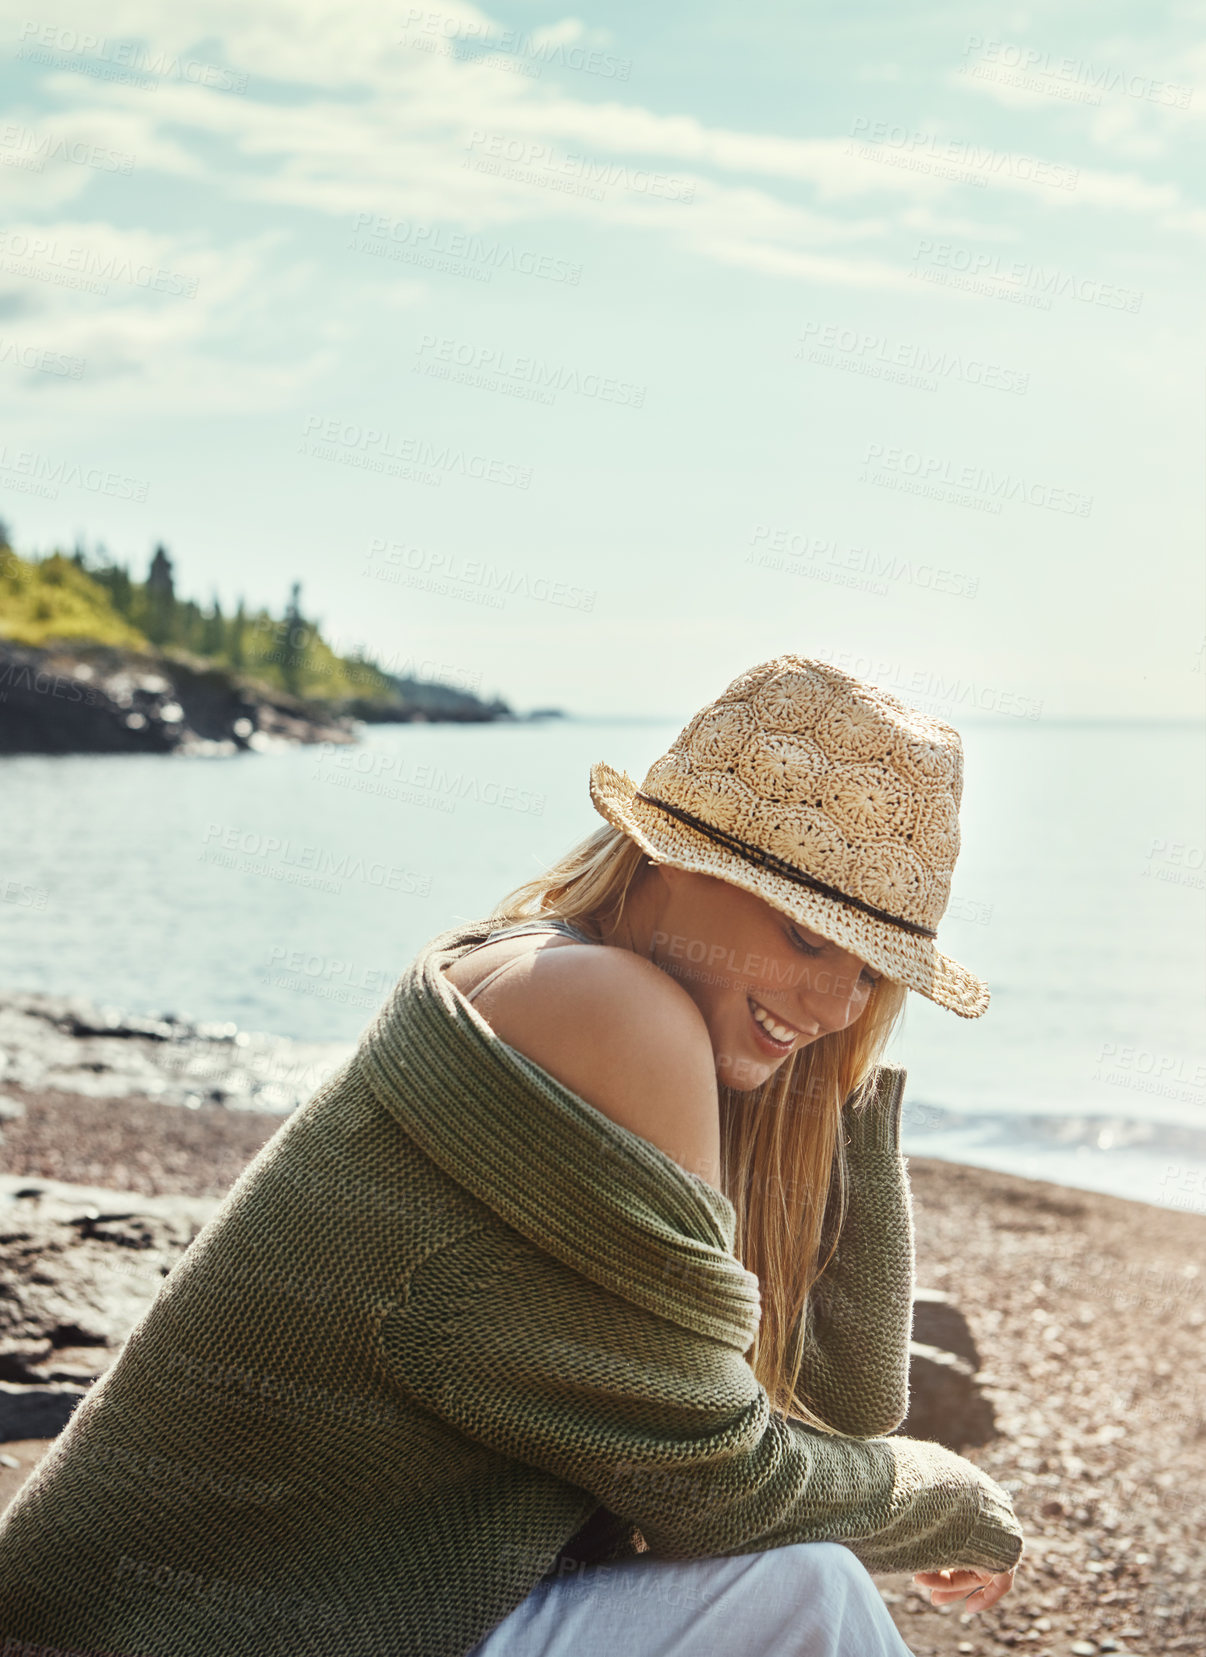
765 984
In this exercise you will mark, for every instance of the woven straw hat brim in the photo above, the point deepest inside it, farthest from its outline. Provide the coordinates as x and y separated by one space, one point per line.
904 957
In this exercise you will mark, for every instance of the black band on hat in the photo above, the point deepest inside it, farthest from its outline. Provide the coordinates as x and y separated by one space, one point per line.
779 866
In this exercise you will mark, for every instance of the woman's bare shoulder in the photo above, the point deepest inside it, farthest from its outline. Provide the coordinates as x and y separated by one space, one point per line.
621 1034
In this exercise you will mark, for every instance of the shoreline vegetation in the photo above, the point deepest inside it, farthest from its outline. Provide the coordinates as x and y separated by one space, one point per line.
93 661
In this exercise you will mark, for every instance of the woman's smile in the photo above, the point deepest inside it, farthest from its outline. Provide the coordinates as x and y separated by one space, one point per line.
777 1036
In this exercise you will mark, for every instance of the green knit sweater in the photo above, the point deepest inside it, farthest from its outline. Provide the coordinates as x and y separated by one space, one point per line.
448 1320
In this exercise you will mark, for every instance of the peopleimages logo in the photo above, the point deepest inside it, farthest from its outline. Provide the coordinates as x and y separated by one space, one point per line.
935 578
472 41
41 358
974 270
870 353
880 136
121 59
526 160
35 474
928 691
1037 69
303 864
454 252
445 571
492 367
46 259
35 149
443 789
416 458
937 472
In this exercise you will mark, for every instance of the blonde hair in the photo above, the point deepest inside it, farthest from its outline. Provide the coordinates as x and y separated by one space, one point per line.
782 1156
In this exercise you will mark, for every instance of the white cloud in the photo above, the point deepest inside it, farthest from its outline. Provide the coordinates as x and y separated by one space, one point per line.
150 314
402 144
1126 95
354 117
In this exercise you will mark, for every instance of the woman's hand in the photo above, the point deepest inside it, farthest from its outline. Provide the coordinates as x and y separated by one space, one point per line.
985 1588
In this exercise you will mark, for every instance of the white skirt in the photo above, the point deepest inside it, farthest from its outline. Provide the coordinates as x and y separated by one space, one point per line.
808 1599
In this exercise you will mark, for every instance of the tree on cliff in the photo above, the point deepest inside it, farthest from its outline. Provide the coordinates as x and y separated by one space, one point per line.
86 596
160 622
213 631
236 653
115 579
295 641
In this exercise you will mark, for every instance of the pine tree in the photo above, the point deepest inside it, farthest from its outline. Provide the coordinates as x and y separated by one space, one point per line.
122 589
161 620
213 634
234 638
295 641
115 578
189 626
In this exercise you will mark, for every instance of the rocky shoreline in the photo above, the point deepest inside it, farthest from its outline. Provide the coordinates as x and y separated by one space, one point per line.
69 1045
1059 1343
97 699
80 697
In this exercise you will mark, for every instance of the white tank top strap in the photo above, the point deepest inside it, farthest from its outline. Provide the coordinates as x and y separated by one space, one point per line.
553 924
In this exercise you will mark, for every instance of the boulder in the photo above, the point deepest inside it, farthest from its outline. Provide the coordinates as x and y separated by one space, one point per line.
78 1267
36 1412
946 1404
937 1321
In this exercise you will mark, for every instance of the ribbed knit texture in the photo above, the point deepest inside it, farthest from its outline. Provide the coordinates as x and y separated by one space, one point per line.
448 1315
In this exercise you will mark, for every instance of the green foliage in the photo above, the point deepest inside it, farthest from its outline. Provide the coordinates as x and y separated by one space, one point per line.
115 579
60 597
55 599
292 654
157 608
213 631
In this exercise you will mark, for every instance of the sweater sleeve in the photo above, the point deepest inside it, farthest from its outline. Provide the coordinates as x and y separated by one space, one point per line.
859 1316
667 1428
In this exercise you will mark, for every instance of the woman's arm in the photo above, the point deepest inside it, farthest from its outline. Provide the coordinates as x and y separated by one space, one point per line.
668 1429
859 1316
660 1418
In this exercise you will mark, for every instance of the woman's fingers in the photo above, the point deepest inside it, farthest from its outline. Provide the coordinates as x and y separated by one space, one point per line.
991 1592
980 1588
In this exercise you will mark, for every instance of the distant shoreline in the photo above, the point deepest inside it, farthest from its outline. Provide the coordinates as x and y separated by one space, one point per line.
82 697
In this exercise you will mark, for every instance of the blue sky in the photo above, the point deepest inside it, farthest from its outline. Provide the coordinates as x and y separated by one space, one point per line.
592 357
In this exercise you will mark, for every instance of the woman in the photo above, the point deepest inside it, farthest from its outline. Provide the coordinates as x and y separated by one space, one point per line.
576 1305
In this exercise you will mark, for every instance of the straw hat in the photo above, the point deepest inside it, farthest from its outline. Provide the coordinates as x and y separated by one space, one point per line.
827 797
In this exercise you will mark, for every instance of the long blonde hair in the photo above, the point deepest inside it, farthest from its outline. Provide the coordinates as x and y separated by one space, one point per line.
782 1156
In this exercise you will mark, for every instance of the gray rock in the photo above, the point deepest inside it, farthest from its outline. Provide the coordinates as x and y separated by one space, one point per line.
946 1404
78 1267
35 1412
937 1321
82 697
73 1045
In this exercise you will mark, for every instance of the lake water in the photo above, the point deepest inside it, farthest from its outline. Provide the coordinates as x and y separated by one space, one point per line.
287 891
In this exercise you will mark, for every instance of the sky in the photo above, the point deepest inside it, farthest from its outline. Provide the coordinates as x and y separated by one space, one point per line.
589 358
